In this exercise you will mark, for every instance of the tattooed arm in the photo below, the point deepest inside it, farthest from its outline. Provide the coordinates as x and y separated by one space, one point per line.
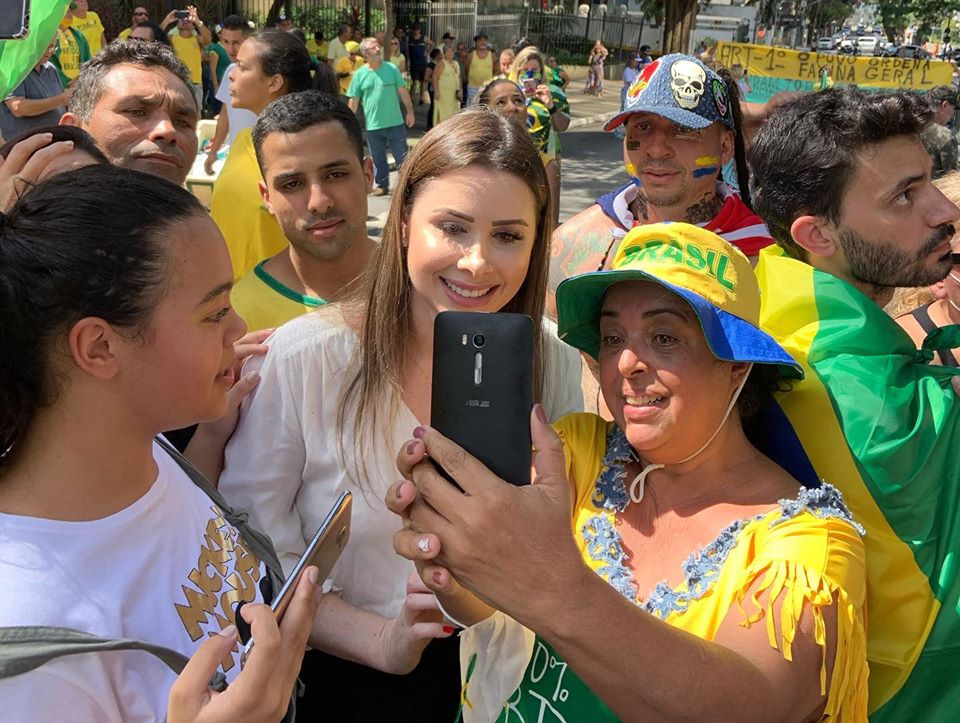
577 247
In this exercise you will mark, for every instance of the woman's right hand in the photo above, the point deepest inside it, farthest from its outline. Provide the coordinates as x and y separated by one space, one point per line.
261 692
419 622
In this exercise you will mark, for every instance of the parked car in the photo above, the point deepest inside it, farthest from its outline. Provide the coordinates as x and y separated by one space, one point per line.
912 51
826 44
890 50
866 44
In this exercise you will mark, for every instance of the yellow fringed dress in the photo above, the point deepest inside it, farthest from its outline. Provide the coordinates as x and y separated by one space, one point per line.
805 553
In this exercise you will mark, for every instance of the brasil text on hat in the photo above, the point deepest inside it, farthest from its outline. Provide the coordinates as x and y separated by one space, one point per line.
679 88
709 273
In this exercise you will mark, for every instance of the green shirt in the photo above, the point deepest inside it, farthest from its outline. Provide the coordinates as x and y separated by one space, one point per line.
223 60
378 91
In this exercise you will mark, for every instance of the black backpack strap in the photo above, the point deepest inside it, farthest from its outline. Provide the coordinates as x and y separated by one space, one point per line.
25 648
258 542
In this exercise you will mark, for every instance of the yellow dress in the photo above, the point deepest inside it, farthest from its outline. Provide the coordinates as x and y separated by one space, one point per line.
251 231
446 103
804 554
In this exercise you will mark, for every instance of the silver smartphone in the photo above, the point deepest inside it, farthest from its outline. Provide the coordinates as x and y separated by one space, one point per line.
14 19
322 552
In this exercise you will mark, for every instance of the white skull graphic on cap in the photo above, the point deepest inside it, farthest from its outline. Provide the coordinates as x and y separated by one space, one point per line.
688 81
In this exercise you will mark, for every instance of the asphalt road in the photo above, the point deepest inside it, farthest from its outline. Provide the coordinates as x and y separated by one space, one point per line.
592 165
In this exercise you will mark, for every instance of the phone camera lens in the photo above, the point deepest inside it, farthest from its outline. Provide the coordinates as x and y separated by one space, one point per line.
479 340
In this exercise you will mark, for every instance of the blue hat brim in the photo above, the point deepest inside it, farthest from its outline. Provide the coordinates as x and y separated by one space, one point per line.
729 337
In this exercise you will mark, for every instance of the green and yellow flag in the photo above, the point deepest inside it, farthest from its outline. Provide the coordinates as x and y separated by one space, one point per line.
18 57
874 418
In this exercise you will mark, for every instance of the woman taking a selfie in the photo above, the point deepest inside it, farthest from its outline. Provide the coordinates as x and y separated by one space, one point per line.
270 63
468 230
734 593
105 341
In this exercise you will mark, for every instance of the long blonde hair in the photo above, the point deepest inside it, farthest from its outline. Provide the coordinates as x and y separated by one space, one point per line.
476 137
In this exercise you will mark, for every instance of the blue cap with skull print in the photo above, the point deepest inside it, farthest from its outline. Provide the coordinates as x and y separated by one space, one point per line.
680 88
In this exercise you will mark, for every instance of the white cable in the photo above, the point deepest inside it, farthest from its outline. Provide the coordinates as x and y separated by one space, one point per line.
637 486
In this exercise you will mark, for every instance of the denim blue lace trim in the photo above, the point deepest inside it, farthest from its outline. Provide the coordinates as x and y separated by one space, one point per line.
702 568
823 502
610 491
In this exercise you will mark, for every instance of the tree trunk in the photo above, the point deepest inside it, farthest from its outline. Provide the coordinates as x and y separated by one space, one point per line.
680 16
388 27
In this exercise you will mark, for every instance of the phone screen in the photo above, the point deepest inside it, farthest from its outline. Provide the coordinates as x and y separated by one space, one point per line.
13 19
529 86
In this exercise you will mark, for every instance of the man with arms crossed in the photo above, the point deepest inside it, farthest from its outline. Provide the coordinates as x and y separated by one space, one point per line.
309 148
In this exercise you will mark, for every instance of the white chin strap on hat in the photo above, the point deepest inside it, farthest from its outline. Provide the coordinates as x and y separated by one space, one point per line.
637 486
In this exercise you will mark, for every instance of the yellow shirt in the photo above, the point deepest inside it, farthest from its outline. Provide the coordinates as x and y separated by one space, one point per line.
804 554
481 69
124 34
69 54
347 64
264 302
188 50
92 30
251 231
319 51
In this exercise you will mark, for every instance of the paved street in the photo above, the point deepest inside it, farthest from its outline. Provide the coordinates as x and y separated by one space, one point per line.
592 160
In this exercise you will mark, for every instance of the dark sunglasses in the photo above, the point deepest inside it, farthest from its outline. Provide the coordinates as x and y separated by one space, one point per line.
141 13
955 259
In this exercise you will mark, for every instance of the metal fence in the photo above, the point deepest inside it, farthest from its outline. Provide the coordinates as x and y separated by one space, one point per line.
457 17
566 33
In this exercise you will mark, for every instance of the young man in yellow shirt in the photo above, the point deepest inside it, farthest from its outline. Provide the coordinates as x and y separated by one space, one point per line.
309 147
188 40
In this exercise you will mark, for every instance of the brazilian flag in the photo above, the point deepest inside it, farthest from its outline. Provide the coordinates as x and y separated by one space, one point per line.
874 418
18 57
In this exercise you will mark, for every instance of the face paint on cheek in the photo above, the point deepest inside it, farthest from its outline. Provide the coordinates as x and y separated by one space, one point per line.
633 145
633 173
706 166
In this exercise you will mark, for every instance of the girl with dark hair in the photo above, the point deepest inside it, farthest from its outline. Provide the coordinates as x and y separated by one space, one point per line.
469 229
506 97
270 64
117 324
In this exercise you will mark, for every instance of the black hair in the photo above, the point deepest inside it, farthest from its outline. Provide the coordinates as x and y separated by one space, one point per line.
942 94
285 54
159 34
739 146
82 141
435 53
483 95
318 36
296 112
84 243
88 87
325 79
235 22
804 157
299 35
756 399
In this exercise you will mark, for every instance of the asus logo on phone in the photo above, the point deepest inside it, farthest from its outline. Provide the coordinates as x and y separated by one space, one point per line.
478 403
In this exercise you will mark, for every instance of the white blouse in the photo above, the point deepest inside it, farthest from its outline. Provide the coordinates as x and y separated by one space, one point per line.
283 464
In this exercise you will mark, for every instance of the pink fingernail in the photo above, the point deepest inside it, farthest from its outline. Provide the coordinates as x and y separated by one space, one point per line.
419 432
541 415
412 448
228 632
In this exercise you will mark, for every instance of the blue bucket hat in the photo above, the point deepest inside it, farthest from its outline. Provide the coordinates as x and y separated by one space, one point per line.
679 88
711 274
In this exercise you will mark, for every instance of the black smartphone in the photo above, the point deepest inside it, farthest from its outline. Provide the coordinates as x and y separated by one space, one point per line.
182 14
323 552
14 19
482 391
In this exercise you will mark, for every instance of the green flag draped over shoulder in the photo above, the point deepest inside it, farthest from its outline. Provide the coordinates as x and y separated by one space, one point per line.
18 57
875 419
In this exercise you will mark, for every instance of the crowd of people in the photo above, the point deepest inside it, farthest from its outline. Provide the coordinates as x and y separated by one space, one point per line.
744 500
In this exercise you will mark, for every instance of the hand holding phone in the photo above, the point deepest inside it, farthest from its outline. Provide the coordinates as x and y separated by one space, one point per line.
322 552
183 14
529 83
